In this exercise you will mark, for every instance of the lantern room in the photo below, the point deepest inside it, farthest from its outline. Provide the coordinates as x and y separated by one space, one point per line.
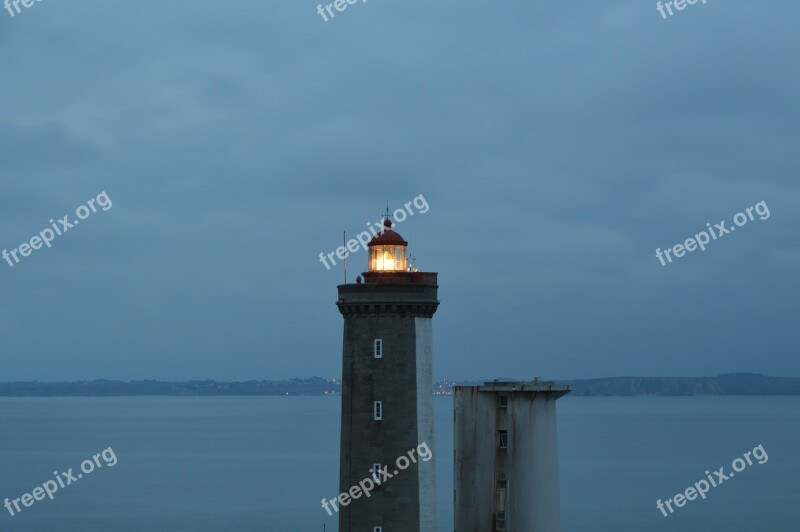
387 251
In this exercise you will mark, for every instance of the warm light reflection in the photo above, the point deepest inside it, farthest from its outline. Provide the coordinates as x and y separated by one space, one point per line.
387 258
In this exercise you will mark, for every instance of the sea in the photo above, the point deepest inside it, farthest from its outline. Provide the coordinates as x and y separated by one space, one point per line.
222 464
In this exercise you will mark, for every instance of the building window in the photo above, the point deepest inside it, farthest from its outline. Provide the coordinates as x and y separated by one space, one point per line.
377 529
377 348
501 488
377 410
502 439
500 521
502 401
376 473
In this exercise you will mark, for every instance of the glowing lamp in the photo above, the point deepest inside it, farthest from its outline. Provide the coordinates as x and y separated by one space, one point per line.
387 251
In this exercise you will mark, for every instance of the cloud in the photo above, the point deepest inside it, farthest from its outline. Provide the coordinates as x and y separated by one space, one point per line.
558 145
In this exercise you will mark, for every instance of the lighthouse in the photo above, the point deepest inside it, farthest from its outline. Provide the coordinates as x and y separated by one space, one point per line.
387 396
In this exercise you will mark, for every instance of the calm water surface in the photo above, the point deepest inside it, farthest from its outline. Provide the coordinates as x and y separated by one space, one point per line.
263 463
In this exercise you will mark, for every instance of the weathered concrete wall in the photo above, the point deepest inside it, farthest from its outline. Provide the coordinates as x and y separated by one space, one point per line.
533 493
530 462
474 441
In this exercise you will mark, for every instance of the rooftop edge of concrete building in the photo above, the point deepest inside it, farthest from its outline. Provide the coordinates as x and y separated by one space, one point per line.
536 385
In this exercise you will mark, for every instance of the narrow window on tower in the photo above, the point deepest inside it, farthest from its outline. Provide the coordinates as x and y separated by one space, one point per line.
501 487
377 349
500 521
377 410
377 529
502 439
502 401
376 473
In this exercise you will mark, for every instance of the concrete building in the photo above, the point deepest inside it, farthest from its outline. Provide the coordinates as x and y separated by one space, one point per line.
387 383
506 459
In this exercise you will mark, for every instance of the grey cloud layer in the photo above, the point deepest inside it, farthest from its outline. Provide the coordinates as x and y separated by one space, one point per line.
559 143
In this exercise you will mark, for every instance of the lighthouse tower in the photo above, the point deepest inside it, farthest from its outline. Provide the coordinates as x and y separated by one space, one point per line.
387 391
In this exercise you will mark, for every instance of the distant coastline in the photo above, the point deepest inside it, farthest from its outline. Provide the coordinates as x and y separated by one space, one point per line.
730 384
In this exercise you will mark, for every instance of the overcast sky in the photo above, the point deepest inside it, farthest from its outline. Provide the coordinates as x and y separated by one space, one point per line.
558 144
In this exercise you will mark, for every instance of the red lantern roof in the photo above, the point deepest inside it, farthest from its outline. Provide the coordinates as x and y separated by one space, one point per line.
387 237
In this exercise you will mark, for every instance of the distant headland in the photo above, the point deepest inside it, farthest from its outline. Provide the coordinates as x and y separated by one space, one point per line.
730 384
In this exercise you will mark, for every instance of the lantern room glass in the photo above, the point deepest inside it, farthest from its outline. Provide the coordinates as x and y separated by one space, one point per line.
387 258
